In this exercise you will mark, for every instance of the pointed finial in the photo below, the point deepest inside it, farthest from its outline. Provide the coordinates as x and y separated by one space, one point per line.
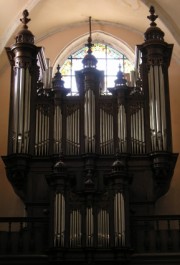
89 60
153 33
58 68
90 27
58 74
89 44
152 17
25 20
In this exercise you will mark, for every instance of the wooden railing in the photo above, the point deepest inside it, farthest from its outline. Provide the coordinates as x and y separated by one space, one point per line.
149 234
23 235
155 234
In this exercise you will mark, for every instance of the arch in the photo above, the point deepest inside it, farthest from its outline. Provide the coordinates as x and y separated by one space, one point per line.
97 36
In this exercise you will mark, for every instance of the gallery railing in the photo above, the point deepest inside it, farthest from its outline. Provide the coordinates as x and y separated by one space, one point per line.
23 235
155 234
149 234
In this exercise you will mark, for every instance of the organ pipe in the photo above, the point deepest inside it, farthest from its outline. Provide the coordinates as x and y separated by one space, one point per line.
106 132
73 133
157 108
75 228
42 130
119 220
89 121
89 227
122 134
57 130
137 129
21 110
59 220
103 228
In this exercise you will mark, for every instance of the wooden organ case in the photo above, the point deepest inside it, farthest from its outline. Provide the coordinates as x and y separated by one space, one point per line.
89 161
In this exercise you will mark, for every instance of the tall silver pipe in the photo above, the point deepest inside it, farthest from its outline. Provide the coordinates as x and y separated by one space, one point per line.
75 131
39 140
36 134
26 118
20 111
143 134
45 132
157 101
119 218
124 129
48 134
78 134
15 109
70 232
163 110
55 130
100 130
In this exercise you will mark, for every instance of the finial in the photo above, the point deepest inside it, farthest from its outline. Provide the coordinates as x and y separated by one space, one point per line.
153 33
58 68
152 17
58 74
25 18
90 27
89 44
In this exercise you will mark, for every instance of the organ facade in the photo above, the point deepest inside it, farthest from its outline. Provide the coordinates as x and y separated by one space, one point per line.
91 162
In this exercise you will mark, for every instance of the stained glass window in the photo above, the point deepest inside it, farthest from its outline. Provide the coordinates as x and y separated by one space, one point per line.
109 61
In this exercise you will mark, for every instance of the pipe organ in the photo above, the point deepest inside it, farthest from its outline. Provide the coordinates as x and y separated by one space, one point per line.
91 160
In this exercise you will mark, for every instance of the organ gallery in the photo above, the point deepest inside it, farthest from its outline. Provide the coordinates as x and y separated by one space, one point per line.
87 164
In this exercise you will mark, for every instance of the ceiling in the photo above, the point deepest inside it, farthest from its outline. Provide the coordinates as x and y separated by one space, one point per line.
50 16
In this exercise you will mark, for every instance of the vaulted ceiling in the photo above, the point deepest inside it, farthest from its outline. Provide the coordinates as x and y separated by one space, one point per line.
50 16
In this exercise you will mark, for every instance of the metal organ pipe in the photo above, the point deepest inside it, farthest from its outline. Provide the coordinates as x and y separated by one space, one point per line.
89 121
157 108
21 110
103 228
163 110
27 109
59 220
42 130
122 134
106 132
75 228
151 98
15 107
89 227
137 129
57 130
142 128
73 134
119 220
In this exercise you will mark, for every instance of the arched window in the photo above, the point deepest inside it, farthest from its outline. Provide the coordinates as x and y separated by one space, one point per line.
109 61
